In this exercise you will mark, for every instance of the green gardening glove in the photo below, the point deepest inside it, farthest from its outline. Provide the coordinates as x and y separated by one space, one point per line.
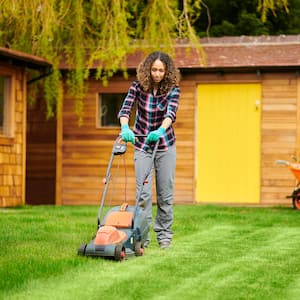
154 136
127 134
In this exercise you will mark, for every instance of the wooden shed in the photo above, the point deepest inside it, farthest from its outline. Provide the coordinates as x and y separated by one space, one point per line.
14 78
238 113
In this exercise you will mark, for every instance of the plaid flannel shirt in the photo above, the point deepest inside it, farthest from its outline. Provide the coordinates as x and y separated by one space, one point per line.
150 113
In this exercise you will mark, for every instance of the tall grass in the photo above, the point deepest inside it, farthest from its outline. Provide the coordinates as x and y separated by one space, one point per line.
217 253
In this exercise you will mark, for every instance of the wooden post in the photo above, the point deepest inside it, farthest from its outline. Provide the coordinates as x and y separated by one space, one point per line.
59 135
298 119
24 104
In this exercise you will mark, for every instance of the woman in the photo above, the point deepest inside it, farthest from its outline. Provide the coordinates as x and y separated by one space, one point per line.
156 93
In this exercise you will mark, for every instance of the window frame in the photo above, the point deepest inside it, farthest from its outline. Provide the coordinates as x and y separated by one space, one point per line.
99 124
8 129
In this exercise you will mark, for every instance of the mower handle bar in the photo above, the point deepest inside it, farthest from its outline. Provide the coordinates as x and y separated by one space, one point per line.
108 176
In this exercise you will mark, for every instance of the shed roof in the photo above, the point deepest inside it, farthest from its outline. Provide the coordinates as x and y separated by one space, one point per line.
232 53
24 59
237 52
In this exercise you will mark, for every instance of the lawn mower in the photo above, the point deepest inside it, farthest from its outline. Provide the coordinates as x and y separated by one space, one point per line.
295 169
124 229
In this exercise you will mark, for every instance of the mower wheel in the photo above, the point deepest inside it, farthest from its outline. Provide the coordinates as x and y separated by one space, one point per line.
296 199
81 250
138 249
120 253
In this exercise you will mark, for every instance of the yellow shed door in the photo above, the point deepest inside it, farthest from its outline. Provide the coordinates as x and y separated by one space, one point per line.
228 143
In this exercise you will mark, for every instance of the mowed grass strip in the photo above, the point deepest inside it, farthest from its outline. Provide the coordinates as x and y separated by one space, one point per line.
217 253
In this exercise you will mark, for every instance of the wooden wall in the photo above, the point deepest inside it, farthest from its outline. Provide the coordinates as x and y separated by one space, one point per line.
40 155
12 150
280 135
83 152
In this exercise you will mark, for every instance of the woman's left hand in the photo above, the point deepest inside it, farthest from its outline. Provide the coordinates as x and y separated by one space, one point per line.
155 135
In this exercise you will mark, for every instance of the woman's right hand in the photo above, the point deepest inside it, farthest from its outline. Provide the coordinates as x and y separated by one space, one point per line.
127 134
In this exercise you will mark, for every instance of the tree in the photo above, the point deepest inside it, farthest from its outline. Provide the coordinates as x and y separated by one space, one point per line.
247 17
271 5
84 31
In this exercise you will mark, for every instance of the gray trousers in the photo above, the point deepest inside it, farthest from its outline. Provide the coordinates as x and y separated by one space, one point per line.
164 165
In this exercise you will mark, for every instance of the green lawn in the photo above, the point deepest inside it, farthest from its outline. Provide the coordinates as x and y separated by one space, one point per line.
217 253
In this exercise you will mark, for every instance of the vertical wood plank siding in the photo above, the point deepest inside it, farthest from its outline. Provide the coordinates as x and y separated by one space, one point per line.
41 155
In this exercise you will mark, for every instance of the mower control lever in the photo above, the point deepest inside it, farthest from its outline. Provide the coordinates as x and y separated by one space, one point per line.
119 146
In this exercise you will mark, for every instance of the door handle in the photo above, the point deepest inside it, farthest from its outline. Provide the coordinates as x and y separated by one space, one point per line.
257 105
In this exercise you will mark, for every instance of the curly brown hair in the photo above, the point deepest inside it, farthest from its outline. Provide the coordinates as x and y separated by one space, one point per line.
171 78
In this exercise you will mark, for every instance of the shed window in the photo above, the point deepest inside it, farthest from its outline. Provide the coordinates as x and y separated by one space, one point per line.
6 106
108 108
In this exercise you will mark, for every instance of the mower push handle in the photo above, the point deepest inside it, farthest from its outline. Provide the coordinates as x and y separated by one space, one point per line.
140 135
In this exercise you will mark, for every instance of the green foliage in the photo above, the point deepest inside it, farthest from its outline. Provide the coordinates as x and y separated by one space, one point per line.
217 253
250 24
285 22
225 28
248 17
99 33
89 34
271 5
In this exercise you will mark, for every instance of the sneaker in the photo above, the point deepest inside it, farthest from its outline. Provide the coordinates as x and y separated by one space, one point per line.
146 244
165 245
